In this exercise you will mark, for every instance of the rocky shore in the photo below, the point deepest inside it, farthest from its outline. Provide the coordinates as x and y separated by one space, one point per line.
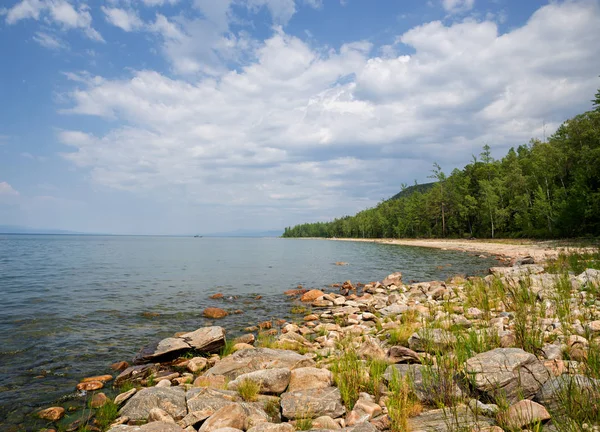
516 350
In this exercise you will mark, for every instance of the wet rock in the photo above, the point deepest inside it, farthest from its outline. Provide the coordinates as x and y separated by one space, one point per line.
309 378
524 413
101 378
206 339
90 386
98 400
448 420
119 366
170 399
246 361
272 381
231 416
215 313
311 295
150 427
393 279
400 354
509 373
217 296
52 414
312 403
124 396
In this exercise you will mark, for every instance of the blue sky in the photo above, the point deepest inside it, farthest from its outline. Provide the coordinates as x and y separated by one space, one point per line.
184 116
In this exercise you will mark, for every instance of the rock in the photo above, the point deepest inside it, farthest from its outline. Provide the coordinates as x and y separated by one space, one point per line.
150 427
589 276
241 346
552 352
478 407
400 354
325 422
208 401
517 271
246 339
524 413
593 326
265 325
196 364
311 295
213 381
215 313
393 279
231 416
363 427
425 389
216 296
206 339
272 427
98 400
157 414
364 410
168 348
448 420
273 381
506 372
309 378
135 373
246 361
553 393
370 349
101 378
90 386
164 383
227 429
119 366
312 403
431 339
170 399
124 396
52 414
528 259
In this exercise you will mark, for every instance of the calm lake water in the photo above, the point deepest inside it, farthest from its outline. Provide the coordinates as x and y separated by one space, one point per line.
72 305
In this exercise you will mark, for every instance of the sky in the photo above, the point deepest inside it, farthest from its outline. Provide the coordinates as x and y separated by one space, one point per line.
199 116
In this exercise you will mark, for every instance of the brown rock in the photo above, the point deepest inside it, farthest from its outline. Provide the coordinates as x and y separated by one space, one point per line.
90 385
311 295
523 413
216 296
214 382
215 313
119 366
98 400
196 364
101 378
311 317
241 346
124 396
393 279
52 414
230 416
159 415
295 292
265 325
247 339
400 354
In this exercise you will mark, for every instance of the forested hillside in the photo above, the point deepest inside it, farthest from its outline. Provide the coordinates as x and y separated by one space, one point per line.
542 189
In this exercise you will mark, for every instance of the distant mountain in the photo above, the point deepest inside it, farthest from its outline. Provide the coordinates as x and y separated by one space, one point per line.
15 229
246 233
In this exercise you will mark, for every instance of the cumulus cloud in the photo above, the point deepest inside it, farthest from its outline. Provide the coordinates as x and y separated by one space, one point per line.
59 12
127 20
300 128
7 190
455 6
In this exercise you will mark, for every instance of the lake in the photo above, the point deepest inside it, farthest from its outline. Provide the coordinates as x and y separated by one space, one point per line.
72 305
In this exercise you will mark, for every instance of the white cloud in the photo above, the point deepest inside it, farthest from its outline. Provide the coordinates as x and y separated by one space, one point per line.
60 12
456 6
48 41
7 190
281 10
127 20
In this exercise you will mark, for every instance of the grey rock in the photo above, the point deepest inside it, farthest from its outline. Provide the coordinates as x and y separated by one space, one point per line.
169 399
272 427
552 393
517 271
363 427
164 349
272 381
309 378
448 420
489 410
552 352
312 403
509 373
246 361
150 427
425 381
394 309
206 339
431 339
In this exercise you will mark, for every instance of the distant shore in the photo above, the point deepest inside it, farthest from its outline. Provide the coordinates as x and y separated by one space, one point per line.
540 250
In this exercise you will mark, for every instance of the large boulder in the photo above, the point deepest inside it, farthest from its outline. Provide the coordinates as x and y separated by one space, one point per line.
150 427
169 399
509 373
309 378
230 416
272 381
555 392
393 279
245 361
312 403
206 339
448 420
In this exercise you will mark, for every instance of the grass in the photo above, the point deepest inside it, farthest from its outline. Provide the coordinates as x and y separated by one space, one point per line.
265 340
106 414
248 390
272 408
401 403
227 349
439 381
349 376
304 422
151 381
576 262
300 310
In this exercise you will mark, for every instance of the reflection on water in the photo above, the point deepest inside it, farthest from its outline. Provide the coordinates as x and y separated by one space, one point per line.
72 305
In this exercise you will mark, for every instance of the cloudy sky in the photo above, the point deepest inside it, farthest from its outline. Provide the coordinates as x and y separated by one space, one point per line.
184 116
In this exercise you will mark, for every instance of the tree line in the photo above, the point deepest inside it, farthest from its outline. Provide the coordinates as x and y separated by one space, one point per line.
544 189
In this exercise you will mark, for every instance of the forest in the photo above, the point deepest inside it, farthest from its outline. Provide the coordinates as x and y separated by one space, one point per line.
539 190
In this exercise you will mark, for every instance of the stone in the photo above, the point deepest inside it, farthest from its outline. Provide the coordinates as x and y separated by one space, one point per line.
215 313
124 396
589 276
431 339
245 361
164 349
241 346
273 427
312 403
157 414
150 427
52 414
552 393
272 381
208 401
196 364
213 381
227 429
135 373
231 416
98 400
311 295
170 399
119 366
246 339
206 339
509 373
325 422
216 296
478 407
552 352
517 271
370 349
363 427
309 378
524 413
101 378
90 385
593 326
400 354
448 420
393 279
164 383
425 388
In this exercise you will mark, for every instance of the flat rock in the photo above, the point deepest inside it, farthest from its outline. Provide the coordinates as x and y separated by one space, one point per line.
246 361
150 427
206 339
208 400
309 378
122 397
272 427
170 399
312 403
524 413
52 414
272 381
168 348
509 373
448 420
